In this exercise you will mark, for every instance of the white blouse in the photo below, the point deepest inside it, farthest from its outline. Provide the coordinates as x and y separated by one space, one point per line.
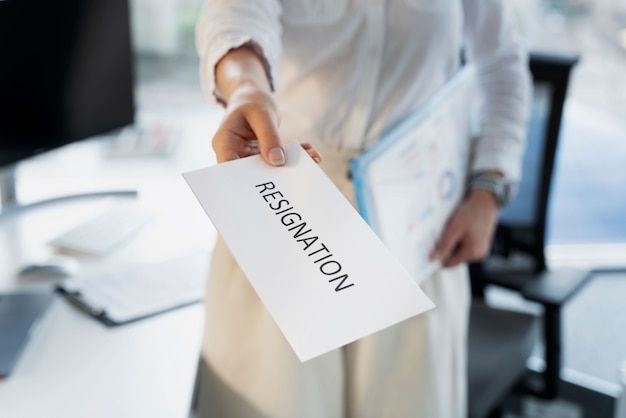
345 71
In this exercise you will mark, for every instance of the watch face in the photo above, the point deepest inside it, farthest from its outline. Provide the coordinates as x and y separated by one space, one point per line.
506 192
503 192
495 184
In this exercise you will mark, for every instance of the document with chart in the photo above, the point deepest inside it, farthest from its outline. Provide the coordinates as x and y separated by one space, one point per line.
409 182
319 269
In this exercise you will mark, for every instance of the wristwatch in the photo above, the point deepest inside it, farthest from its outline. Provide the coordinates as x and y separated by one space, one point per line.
494 183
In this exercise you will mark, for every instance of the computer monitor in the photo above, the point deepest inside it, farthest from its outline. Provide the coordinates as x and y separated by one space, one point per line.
66 74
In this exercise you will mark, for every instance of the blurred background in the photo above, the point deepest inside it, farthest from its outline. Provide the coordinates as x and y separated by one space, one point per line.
589 205
587 212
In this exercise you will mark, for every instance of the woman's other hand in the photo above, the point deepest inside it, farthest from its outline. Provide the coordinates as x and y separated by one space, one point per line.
469 232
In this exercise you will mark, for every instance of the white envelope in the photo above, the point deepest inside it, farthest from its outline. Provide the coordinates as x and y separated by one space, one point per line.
322 273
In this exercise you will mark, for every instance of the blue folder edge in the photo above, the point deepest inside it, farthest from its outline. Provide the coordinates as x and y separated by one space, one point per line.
359 166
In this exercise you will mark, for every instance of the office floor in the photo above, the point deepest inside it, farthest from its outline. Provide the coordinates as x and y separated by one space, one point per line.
594 350
594 324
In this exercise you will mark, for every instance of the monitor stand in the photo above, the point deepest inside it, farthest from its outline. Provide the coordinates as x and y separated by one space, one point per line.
10 204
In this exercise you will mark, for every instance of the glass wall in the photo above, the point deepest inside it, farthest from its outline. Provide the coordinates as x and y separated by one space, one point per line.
589 190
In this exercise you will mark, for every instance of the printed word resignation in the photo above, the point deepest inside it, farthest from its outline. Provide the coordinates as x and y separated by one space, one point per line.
311 245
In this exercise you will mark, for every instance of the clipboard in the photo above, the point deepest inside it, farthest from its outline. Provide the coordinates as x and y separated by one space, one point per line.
409 182
130 294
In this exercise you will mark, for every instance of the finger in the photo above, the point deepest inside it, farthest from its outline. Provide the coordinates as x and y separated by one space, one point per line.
231 147
462 253
251 147
225 149
469 250
313 153
265 130
252 144
447 243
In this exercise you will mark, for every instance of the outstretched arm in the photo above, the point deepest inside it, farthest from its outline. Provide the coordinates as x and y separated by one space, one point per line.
250 124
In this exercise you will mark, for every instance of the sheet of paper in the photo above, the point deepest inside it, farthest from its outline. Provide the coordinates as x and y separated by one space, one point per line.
322 273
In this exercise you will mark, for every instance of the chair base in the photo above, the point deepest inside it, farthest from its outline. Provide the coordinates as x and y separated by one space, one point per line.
499 343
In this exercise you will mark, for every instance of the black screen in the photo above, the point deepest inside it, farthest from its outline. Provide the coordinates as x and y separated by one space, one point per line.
66 73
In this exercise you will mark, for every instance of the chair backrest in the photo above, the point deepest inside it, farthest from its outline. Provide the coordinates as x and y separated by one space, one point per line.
522 223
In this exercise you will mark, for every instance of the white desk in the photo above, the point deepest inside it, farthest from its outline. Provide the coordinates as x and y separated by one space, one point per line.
73 365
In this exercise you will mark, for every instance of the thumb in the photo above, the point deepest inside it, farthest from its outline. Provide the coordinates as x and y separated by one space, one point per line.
266 131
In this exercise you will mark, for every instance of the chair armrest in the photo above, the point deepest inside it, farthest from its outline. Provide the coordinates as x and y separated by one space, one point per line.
555 286
551 287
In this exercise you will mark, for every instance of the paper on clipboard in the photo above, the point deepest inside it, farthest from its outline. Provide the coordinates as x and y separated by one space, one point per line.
129 294
409 182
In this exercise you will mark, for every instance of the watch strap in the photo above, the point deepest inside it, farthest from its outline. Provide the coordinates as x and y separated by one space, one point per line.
494 183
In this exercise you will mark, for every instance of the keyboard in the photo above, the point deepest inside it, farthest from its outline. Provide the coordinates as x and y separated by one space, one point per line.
100 235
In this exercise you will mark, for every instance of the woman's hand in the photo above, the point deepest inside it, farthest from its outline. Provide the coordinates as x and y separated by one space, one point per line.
249 127
250 123
468 233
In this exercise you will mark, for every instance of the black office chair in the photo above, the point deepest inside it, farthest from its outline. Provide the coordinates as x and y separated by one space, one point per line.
501 340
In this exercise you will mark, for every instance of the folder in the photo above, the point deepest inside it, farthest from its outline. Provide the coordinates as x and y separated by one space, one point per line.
409 182
133 293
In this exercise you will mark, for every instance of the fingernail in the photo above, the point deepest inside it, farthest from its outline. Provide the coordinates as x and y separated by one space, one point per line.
277 156
317 159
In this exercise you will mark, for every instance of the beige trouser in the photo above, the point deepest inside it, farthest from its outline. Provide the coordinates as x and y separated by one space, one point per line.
414 369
